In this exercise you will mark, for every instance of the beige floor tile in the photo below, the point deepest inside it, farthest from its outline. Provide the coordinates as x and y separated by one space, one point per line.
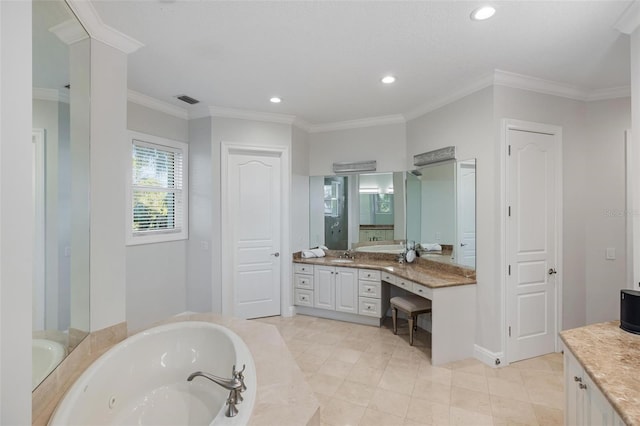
538 364
374 417
432 391
373 360
308 366
513 410
355 393
360 345
346 355
470 400
421 410
341 413
380 348
390 402
399 380
470 381
461 417
324 384
508 389
509 373
411 422
336 368
548 416
365 375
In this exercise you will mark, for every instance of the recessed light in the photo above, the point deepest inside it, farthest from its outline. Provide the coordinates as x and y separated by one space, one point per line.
388 79
275 100
482 13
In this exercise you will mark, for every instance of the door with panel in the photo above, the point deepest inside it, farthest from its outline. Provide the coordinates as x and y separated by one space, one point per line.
346 290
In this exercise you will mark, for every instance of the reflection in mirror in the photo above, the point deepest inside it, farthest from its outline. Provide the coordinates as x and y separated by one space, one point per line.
441 206
61 189
363 212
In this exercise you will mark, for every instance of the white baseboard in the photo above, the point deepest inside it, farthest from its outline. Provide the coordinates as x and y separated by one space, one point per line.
492 359
288 311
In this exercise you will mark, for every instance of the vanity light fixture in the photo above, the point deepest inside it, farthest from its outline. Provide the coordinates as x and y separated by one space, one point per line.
275 100
435 156
482 13
355 167
388 79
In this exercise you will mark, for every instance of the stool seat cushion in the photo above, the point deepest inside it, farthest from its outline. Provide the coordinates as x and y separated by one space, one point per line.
411 303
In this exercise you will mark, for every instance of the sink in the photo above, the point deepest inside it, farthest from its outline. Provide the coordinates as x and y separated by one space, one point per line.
341 261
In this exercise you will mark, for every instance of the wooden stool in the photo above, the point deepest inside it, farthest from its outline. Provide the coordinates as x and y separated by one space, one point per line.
411 305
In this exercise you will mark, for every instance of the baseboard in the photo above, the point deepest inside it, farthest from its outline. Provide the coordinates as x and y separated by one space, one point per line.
492 359
288 311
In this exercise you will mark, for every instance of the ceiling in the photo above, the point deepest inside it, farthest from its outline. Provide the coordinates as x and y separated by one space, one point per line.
325 58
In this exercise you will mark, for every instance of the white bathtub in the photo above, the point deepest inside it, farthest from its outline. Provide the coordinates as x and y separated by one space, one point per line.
143 380
45 356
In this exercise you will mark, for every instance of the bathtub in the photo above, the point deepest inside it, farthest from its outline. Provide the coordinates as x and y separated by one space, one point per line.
143 380
45 356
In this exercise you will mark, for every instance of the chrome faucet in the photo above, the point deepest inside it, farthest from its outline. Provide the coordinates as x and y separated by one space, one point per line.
348 255
235 386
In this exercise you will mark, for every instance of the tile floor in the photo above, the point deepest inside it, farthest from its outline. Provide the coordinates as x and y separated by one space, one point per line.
365 375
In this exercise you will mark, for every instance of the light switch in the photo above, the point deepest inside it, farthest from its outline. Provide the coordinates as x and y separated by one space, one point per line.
610 253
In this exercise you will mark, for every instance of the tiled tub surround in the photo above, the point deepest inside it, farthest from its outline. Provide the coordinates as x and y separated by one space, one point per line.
610 356
451 289
283 395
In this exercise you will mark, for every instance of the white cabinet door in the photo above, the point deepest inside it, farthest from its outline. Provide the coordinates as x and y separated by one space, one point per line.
324 287
346 290
574 395
598 410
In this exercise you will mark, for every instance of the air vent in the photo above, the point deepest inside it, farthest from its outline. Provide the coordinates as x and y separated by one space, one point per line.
435 156
355 167
188 99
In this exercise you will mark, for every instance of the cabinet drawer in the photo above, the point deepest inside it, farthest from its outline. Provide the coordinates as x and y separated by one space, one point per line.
387 277
369 275
304 281
423 291
369 289
301 268
303 297
369 306
406 284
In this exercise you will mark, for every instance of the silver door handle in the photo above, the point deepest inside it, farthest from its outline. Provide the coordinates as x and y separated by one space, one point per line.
552 271
462 244
276 254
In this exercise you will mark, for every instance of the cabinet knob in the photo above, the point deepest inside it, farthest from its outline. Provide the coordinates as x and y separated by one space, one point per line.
582 386
577 379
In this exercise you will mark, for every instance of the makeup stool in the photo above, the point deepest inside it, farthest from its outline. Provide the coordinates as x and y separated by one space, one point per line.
411 305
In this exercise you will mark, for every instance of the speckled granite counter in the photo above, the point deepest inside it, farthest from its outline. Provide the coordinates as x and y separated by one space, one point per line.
610 357
430 274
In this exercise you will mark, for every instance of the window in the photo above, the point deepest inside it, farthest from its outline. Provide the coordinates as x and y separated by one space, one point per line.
158 195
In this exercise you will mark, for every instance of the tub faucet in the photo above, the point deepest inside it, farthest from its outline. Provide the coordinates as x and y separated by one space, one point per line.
235 386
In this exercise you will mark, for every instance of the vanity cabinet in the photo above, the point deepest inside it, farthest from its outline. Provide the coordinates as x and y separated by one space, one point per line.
584 403
336 288
303 284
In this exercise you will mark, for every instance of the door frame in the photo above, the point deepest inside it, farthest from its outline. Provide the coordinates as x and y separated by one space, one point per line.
508 124
227 149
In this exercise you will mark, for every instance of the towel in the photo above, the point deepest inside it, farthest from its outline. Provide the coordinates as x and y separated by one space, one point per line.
431 247
313 253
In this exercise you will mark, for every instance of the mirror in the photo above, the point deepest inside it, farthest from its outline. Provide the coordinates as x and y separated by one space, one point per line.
61 83
363 212
441 211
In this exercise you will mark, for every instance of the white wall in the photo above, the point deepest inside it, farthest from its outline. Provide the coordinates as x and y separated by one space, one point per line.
605 208
16 213
108 179
385 144
299 189
199 245
468 125
157 270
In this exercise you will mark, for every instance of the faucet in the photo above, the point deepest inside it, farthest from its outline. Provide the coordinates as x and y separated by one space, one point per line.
235 386
348 255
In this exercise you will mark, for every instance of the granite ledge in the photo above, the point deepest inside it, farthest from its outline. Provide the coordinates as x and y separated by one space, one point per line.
609 355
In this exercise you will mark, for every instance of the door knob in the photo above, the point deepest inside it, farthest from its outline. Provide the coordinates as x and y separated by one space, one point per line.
276 254
552 271
462 244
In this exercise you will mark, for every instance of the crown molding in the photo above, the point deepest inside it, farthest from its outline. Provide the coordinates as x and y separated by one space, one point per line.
156 104
302 124
357 124
52 95
611 93
539 85
269 117
630 19
98 30
69 32
479 84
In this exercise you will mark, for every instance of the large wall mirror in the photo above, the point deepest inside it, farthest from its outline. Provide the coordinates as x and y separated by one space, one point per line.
441 211
61 83
433 206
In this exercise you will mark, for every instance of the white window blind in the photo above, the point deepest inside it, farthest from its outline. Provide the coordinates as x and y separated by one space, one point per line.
158 192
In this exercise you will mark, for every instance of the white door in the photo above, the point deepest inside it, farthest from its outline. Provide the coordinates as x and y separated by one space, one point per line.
466 194
533 189
324 287
254 219
347 290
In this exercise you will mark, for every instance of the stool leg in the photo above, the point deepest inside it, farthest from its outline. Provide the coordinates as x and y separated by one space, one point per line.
410 330
394 317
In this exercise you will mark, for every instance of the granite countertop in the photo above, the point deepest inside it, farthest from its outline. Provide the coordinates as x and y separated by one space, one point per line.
430 274
610 357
